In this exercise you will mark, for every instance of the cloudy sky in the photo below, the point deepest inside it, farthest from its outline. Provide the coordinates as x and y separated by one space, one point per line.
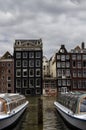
55 21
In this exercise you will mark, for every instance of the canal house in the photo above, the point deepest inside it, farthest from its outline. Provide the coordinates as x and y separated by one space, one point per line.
28 67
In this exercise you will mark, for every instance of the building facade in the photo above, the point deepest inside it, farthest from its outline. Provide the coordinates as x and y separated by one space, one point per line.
7 73
45 67
78 68
52 65
63 72
71 69
28 67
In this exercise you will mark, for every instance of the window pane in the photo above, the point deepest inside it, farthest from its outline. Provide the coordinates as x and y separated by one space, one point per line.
25 54
18 83
18 55
31 83
38 54
31 63
18 63
18 73
25 83
38 64
31 54
38 82
31 72
25 73
24 63
38 72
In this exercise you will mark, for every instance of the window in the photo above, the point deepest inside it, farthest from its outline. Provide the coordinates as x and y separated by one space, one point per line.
38 72
68 82
74 73
74 84
25 54
25 73
59 82
38 54
67 57
31 83
58 64
38 91
78 57
84 63
18 73
64 82
38 64
67 72
18 63
63 64
73 57
79 64
62 57
25 83
79 84
84 57
59 73
31 72
9 78
9 85
9 71
18 55
31 63
67 64
84 83
63 72
31 54
83 106
58 57
18 83
84 73
74 64
79 73
24 63
38 83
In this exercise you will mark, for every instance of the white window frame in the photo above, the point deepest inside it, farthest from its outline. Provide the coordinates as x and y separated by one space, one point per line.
18 72
31 75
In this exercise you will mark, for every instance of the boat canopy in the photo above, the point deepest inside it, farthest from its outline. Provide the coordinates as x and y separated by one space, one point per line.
8 99
75 101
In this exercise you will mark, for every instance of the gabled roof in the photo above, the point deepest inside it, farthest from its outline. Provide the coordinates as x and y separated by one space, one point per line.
77 48
7 55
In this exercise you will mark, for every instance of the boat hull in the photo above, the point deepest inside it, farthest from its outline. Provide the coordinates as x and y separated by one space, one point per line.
8 121
71 119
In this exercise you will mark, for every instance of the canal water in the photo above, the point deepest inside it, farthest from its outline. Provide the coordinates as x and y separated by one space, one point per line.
51 119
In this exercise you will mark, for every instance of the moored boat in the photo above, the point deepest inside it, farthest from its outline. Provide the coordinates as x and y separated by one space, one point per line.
11 108
72 107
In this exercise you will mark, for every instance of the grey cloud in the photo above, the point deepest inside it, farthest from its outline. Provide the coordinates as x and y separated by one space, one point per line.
55 21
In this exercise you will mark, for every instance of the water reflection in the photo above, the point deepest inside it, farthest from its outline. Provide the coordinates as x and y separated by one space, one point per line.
51 119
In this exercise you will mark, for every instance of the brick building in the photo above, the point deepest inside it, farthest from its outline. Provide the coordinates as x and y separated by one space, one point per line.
6 73
71 69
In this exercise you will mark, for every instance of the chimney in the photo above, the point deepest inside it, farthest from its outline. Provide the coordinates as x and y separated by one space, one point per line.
62 46
83 45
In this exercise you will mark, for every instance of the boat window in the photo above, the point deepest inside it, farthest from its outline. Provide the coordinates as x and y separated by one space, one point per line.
1 106
83 106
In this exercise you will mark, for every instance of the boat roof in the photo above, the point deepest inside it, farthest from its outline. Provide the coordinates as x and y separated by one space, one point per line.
10 96
75 94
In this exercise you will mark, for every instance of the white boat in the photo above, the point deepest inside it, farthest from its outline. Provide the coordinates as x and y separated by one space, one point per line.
72 107
11 108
